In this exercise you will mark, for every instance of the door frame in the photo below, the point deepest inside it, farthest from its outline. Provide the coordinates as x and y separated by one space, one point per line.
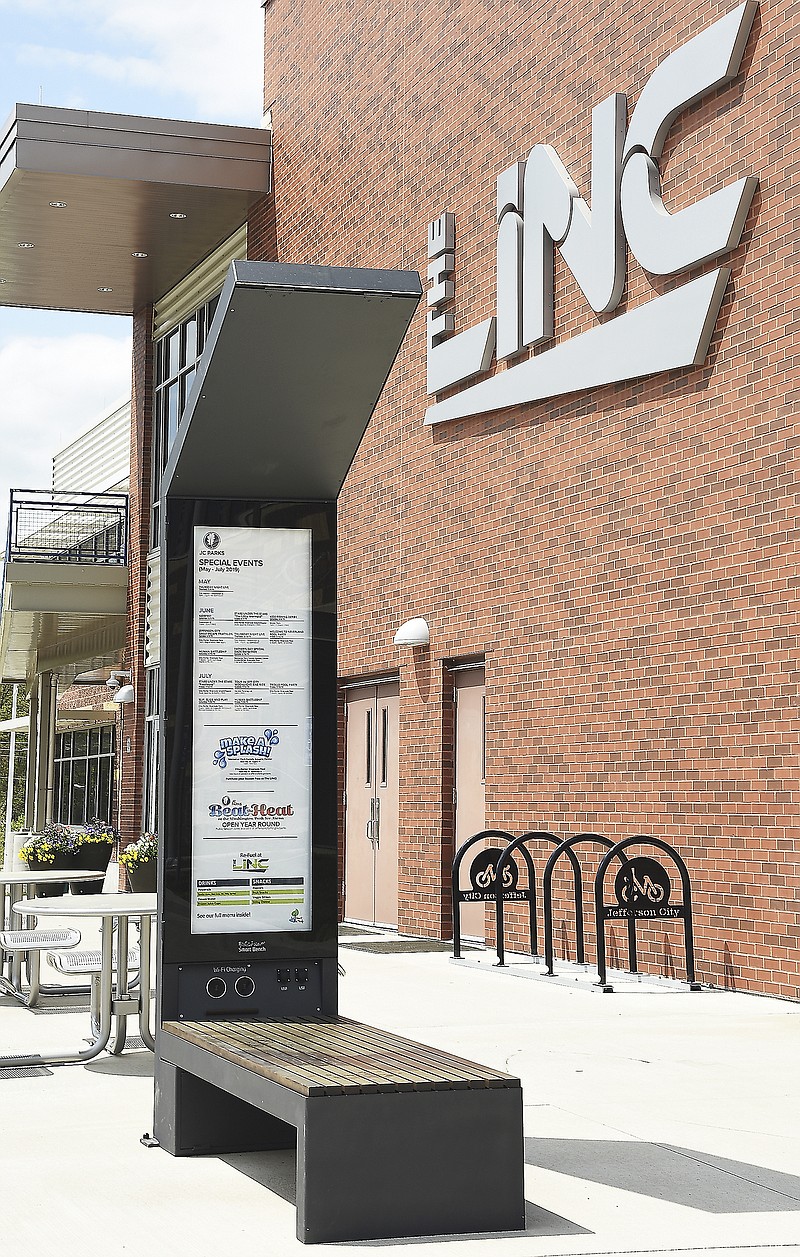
364 683
455 669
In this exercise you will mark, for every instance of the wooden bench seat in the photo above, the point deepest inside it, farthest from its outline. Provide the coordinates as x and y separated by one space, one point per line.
336 1056
392 1136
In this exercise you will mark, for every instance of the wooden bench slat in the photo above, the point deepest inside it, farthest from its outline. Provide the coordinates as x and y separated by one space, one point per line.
394 1072
427 1057
301 1066
313 1054
368 1054
194 1032
441 1062
289 1044
271 1059
336 1056
427 1073
325 1067
437 1063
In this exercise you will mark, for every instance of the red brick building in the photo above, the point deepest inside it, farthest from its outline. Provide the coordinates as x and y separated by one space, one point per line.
621 560
608 574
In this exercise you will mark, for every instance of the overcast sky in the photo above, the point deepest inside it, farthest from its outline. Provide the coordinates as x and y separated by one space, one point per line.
199 60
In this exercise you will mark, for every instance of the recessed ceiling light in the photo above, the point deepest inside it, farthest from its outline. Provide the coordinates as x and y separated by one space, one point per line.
59 204
105 290
25 244
177 215
138 255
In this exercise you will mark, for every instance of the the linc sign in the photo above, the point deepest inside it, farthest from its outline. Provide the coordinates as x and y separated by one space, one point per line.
539 208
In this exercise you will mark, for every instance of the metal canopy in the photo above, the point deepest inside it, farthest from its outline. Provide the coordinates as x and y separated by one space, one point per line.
91 190
293 368
56 615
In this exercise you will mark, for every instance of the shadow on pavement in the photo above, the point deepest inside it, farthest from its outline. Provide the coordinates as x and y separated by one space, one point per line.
130 1064
681 1175
276 1171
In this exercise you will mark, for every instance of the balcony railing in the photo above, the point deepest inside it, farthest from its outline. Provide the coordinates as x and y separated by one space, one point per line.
45 527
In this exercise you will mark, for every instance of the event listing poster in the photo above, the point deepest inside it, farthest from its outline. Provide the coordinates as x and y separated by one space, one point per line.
251 806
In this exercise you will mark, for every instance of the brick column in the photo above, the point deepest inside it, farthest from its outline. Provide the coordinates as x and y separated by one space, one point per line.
425 838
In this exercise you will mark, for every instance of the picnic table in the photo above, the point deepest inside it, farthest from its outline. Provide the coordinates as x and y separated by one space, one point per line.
116 999
15 960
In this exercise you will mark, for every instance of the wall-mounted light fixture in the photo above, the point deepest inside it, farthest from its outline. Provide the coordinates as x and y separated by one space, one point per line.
413 633
122 693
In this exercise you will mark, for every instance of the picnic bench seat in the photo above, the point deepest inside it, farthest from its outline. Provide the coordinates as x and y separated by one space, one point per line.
31 944
394 1138
90 961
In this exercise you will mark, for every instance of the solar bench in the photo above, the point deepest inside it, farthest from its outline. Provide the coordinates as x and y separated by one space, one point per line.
393 1138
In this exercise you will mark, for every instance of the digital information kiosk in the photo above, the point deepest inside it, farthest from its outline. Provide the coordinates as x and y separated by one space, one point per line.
294 365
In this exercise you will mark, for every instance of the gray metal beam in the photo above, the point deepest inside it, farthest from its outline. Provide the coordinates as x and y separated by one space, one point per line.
292 371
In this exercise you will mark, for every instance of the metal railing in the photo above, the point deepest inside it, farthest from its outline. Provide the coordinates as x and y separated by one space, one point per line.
46 527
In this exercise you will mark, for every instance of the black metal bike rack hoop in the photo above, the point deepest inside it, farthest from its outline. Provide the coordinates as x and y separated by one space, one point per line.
518 844
483 880
567 846
643 892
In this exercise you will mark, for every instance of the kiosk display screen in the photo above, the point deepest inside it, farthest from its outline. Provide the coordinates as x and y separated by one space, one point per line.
251 745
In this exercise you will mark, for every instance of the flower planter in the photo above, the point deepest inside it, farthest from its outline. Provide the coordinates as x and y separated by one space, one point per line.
49 890
142 877
91 855
95 855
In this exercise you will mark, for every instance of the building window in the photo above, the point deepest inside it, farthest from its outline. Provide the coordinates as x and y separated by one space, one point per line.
384 746
368 747
175 355
84 770
483 739
150 796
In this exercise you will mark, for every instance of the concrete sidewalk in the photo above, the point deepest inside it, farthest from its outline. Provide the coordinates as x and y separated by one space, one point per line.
656 1121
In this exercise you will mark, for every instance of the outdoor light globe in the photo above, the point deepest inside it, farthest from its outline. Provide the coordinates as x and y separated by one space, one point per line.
413 633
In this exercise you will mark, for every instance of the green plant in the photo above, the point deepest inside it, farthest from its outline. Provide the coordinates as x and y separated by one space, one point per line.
52 841
139 852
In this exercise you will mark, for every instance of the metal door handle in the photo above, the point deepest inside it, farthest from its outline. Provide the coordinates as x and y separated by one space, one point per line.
372 822
377 826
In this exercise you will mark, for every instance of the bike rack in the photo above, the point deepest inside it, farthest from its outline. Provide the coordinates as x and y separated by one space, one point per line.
630 912
681 911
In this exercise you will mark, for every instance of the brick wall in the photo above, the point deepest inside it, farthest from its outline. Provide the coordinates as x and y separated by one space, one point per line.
624 559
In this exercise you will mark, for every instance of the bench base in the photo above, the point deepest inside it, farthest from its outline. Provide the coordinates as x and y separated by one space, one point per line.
372 1166
194 1118
425 1163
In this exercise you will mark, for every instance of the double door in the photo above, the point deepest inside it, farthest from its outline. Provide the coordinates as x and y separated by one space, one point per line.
371 803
